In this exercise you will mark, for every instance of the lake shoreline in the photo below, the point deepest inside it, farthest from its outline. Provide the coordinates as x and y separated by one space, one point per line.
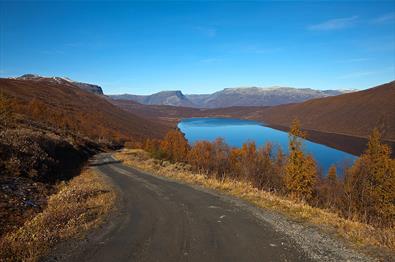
347 143
350 144
235 132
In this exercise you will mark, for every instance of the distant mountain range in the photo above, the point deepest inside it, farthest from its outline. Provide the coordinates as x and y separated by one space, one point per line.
173 98
228 97
343 122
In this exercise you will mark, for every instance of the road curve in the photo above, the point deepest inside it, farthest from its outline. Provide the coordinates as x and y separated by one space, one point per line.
163 220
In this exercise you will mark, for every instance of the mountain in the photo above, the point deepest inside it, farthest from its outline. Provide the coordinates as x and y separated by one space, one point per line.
354 113
95 89
256 96
135 98
174 98
244 96
343 121
198 99
67 102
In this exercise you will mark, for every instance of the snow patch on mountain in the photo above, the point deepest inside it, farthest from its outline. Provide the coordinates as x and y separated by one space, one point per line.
59 80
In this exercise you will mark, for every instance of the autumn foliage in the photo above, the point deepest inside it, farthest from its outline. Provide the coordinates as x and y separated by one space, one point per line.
79 123
174 146
200 156
300 169
370 183
364 191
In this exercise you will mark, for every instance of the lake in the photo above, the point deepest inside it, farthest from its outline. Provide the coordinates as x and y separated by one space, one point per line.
235 132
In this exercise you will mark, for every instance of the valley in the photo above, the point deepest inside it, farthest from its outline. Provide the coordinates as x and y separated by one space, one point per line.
197 131
332 121
68 122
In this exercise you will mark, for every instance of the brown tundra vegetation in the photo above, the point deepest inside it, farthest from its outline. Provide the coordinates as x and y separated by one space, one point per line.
47 132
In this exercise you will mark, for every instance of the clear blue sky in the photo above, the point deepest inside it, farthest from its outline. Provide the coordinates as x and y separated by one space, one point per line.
199 47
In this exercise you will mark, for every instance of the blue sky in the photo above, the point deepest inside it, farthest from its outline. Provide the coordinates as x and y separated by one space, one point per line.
201 47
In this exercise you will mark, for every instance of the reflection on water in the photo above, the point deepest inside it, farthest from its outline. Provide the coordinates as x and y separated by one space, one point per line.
235 132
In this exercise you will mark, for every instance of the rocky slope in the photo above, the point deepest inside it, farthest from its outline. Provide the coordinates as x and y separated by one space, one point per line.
95 89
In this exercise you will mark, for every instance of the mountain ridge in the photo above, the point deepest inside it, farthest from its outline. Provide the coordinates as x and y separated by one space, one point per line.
172 97
91 88
68 99
228 97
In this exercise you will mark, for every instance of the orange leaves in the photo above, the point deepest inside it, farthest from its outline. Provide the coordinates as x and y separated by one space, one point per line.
174 146
300 170
72 122
200 156
152 146
332 177
367 191
370 183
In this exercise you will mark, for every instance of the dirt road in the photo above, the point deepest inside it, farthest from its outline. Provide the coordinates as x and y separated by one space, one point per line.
163 220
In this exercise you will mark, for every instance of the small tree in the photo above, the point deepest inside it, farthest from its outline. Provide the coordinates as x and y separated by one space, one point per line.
200 156
220 160
265 176
373 181
248 160
332 187
235 162
278 171
152 146
332 177
300 170
175 146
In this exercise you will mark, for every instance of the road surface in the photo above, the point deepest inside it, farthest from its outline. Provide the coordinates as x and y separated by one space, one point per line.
162 220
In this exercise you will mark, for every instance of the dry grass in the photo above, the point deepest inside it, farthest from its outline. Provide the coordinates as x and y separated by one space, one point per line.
81 204
358 233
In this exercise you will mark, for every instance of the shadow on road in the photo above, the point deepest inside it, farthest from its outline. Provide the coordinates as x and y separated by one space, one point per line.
105 163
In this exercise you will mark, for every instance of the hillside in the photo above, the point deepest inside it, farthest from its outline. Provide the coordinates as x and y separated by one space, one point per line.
49 127
353 114
229 97
168 115
85 111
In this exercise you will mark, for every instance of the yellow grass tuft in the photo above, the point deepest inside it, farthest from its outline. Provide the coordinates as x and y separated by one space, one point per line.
356 232
80 205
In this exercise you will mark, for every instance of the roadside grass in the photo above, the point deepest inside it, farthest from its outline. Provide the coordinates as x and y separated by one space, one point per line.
360 234
81 204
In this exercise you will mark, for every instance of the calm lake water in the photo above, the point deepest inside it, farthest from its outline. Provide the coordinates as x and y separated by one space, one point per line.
235 132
